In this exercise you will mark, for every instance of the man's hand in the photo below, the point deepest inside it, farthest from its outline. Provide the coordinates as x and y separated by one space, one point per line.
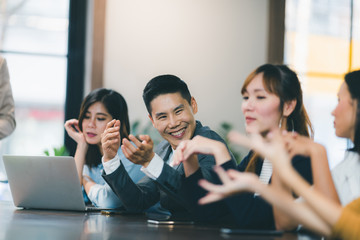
190 162
142 152
110 140
201 145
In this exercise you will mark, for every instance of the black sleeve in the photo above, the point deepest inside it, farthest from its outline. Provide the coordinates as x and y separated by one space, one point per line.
135 197
253 212
186 191
302 165
216 212
250 211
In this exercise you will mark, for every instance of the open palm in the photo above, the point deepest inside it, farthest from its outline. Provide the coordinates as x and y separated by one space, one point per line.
233 182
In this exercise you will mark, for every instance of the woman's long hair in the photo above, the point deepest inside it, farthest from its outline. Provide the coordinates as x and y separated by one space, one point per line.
352 81
116 105
284 83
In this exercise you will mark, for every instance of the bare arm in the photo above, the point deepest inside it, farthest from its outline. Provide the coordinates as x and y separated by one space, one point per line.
87 183
297 144
79 157
296 212
72 128
236 182
322 180
282 220
326 209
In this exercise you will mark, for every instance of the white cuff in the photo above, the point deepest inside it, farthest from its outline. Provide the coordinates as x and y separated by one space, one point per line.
111 165
93 194
154 169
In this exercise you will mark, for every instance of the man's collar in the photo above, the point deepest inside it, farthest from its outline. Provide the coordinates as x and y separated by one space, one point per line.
198 126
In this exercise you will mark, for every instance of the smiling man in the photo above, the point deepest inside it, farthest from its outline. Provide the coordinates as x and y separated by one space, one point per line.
171 110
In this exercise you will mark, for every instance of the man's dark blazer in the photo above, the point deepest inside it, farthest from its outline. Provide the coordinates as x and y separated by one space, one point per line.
168 187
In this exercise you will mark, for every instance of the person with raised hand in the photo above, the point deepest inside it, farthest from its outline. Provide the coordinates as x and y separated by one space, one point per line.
7 105
172 110
272 99
318 212
101 109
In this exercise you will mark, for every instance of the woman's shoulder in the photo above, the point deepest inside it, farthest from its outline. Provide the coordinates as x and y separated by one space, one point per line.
94 169
351 162
352 156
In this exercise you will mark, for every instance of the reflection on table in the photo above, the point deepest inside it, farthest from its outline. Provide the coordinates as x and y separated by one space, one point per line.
43 224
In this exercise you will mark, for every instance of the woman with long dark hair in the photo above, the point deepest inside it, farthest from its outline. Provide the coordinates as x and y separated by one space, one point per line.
100 107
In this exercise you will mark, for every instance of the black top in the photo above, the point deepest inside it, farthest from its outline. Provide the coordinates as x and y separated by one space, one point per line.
246 210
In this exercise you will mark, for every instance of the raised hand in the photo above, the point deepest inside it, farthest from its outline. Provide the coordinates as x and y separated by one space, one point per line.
110 140
233 182
201 145
179 153
190 163
142 152
272 147
72 128
300 145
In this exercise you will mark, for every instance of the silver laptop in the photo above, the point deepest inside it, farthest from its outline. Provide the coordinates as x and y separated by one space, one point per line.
45 182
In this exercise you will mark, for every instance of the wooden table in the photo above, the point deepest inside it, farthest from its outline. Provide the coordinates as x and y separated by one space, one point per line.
59 225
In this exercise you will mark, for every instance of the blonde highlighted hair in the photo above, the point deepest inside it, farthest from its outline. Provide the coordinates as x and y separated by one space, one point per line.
284 83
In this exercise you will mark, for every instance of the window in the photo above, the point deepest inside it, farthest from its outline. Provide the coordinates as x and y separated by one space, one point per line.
34 40
322 43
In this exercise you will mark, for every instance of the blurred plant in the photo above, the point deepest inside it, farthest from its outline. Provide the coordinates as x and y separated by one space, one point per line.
60 151
147 129
223 131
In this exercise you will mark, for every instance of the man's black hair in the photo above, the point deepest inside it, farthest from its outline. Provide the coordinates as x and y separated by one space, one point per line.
164 84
